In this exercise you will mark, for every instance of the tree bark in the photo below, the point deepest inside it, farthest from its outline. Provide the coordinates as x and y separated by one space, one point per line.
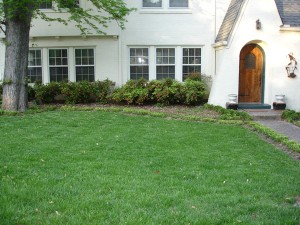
16 59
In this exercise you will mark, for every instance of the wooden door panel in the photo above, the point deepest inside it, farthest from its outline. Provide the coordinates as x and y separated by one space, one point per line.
250 77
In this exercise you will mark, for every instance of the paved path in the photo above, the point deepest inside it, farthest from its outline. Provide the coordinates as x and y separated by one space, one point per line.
272 119
285 128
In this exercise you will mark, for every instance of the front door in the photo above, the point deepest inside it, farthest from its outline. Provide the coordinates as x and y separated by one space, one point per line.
251 74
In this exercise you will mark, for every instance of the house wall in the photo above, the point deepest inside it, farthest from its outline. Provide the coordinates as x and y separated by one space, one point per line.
276 45
178 28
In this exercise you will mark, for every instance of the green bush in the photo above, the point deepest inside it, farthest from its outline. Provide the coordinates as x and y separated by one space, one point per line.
103 90
164 92
168 92
48 93
194 91
133 92
79 92
73 93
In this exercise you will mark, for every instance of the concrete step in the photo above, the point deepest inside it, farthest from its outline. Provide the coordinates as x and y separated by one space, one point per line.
264 114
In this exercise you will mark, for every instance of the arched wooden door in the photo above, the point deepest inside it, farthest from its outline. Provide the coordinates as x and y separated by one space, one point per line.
251 74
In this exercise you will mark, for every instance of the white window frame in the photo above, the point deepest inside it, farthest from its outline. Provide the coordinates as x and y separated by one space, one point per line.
58 66
162 64
152 63
139 64
189 64
36 66
165 9
85 65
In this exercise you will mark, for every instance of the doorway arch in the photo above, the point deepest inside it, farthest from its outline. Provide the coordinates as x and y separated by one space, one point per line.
251 74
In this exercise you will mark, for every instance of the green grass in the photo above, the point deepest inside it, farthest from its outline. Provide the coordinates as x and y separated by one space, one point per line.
97 167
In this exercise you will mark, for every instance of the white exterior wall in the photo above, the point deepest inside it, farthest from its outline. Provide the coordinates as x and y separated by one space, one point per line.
195 26
276 45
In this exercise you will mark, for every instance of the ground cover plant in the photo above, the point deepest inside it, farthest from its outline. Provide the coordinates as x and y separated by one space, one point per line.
96 167
292 116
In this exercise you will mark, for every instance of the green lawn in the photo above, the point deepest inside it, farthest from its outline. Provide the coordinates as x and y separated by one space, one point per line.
110 168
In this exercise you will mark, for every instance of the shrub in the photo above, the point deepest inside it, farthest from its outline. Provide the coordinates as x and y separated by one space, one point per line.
194 92
103 90
47 93
74 92
79 92
133 92
167 92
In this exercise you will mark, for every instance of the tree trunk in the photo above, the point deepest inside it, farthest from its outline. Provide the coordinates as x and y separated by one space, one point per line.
16 59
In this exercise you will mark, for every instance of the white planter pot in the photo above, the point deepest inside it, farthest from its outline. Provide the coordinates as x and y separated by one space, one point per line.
232 98
280 98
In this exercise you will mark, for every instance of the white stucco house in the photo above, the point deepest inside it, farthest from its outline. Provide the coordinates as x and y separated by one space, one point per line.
243 44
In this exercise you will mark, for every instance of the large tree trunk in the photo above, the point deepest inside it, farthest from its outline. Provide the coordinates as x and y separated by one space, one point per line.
16 59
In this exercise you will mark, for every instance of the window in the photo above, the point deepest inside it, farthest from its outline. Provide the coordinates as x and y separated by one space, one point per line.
152 3
179 3
58 65
139 63
191 61
165 63
68 4
85 64
250 61
46 4
34 71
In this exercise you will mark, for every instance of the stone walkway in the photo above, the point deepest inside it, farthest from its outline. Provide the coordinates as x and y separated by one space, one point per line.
272 119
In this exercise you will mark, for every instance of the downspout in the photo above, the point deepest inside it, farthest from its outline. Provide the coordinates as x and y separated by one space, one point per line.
215 36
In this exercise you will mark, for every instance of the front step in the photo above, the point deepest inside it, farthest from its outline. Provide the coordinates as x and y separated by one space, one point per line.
264 114
253 106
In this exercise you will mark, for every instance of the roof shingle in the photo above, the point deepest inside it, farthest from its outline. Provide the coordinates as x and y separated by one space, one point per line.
229 20
289 11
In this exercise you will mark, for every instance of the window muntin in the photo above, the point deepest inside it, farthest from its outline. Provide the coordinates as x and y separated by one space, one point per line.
46 4
58 65
179 3
139 63
34 71
165 63
191 61
152 3
85 64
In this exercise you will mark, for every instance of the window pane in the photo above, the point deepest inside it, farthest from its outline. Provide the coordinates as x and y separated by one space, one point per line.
163 72
179 3
152 3
46 4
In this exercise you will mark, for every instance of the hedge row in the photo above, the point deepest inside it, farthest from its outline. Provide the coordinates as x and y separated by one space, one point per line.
165 92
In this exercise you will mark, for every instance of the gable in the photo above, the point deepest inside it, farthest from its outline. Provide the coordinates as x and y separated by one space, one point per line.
289 11
229 20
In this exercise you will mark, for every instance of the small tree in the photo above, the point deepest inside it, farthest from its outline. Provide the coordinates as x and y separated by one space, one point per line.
15 21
